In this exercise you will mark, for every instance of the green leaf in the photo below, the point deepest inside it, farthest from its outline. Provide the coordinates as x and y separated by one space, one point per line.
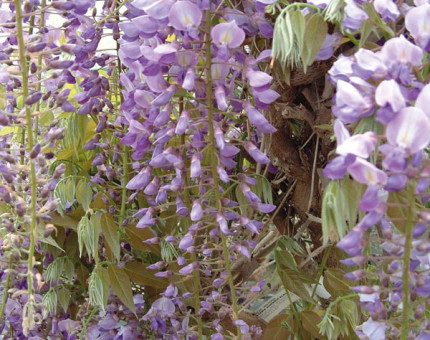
84 194
120 284
310 320
64 297
54 270
332 213
70 189
138 273
68 269
349 311
315 34
298 28
50 300
96 290
110 233
49 240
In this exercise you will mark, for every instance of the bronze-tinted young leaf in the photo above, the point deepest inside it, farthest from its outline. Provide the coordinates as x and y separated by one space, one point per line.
335 283
314 36
138 273
294 281
110 234
137 236
274 329
120 284
310 320
98 202
84 194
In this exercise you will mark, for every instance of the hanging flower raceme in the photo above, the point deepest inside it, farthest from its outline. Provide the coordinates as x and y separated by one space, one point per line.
386 88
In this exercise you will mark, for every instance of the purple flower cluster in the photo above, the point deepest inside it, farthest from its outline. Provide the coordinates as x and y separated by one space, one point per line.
386 90
185 111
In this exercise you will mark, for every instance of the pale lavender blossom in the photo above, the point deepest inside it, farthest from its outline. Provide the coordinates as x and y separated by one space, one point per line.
417 23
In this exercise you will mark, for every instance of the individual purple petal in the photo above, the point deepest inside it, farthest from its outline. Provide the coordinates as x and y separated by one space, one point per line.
220 98
68 326
423 100
351 104
182 124
388 93
196 212
165 96
219 137
258 79
395 158
341 132
181 209
147 220
360 145
354 16
416 21
164 305
152 187
387 9
143 98
228 34
263 207
255 153
186 241
195 169
184 15
222 223
249 195
370 199
258 120
331 42
409 130
223 176
401 50
366 173
189 269
164 274
374 330
337 167
396 183
158 9
189 79
140 180
146 25
352 242
267 96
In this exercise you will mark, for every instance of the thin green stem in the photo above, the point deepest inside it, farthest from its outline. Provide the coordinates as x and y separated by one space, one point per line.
187 201
39 65
87 321
30 145
5 290
212 145
125 148
321 270
407 262
112 14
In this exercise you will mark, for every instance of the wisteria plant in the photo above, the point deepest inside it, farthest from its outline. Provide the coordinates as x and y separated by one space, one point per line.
149 179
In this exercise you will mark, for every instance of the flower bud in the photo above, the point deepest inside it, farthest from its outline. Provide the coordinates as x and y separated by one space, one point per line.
49 228
35 151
